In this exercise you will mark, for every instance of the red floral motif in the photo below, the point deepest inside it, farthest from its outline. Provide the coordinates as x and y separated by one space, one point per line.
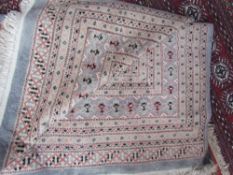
130 107
101 107
91 66
114 43
170 89
157 105
170 54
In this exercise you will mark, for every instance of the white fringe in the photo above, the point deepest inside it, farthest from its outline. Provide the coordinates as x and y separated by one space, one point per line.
9 46
213 143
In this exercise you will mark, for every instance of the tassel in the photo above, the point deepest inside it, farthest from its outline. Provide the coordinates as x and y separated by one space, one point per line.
213 143
10 32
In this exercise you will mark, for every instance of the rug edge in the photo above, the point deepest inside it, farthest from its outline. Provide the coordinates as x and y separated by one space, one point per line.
214 146
9 47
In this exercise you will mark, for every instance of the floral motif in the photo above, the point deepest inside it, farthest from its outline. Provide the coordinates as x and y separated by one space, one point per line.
221 71
230 100
193 11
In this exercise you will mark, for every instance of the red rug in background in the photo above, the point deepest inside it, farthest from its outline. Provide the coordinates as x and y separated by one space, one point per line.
7 5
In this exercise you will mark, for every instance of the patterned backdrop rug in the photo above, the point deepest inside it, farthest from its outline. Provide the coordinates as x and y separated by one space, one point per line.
7 5
110 85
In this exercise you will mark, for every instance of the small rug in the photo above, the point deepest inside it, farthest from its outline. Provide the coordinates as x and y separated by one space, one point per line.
107 87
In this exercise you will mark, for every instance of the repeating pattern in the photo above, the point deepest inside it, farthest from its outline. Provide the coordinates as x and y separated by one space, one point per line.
7 5
111 83
220 13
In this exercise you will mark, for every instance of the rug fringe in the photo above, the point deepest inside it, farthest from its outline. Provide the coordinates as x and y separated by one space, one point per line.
8 40
26 5
11 28
213 143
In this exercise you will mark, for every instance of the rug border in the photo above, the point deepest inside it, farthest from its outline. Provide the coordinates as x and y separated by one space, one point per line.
10 115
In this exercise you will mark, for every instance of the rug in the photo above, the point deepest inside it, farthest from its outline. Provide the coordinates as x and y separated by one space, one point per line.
220 13
106 87
8 5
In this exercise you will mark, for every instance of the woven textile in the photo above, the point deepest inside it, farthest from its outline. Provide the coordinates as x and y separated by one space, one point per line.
108 84
7 5
219 12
